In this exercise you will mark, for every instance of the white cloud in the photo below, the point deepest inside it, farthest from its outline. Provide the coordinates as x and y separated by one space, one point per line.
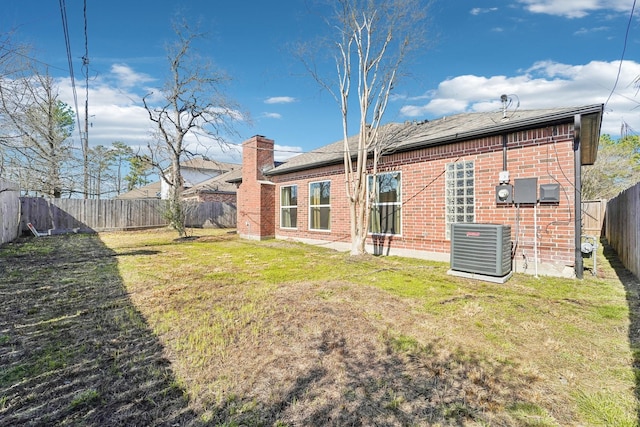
284 152
116 112
480 10
127 77
545 84
575 8
280 100
583 31
271 115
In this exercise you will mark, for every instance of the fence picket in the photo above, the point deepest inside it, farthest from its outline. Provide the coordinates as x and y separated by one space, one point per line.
9 211
622 225
116 214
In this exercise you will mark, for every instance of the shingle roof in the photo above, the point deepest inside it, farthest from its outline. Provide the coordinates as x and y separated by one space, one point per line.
150 191
206 164
217 184
234 176
414 135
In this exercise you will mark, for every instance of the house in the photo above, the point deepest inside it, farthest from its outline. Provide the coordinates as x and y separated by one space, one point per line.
204 181
518 168
198 170
149 191
216 189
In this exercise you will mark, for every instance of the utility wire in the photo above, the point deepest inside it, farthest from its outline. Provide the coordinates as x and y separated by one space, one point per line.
85 140
16 52
624 49
65 30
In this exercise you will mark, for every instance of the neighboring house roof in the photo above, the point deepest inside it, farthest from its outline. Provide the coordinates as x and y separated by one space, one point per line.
217 184
234 176
150 191
209 165
410 136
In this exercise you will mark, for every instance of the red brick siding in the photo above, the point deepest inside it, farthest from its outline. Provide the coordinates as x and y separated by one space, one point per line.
545 153
216 197
256 207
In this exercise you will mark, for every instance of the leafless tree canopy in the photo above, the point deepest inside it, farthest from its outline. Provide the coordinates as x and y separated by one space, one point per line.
191 114
371 41
37 126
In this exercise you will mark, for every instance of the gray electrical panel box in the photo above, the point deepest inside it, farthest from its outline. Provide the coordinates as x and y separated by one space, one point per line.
525 190
549 193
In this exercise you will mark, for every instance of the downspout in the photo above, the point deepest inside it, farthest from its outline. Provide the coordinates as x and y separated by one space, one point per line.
577 158
504 152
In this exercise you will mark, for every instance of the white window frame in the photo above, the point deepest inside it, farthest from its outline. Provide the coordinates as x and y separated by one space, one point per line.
459 194
289 207
319 206
375 203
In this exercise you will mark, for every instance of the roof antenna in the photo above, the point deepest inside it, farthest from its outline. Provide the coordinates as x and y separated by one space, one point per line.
504 100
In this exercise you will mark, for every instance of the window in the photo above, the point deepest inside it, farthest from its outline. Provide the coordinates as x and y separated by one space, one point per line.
459 194
386 204
289 206
320 205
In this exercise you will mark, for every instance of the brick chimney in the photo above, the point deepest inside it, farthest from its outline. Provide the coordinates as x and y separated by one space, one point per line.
256 195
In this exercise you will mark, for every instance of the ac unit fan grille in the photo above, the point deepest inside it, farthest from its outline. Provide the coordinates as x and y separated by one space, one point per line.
481 248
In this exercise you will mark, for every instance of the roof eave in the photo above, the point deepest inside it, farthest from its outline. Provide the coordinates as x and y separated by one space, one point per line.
504 127
590 111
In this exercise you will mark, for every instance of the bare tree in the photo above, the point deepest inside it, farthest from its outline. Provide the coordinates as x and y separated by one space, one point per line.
192 104
372 41
37 127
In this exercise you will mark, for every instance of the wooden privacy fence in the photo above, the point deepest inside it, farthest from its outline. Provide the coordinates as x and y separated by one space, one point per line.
593 217
9 211
622 227
103 215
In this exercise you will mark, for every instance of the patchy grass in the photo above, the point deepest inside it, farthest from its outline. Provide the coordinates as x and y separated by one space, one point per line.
212 330
74 350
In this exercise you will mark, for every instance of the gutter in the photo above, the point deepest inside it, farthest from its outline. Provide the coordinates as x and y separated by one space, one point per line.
577 157
505 127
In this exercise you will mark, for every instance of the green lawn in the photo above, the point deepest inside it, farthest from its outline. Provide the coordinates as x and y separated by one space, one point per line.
280 333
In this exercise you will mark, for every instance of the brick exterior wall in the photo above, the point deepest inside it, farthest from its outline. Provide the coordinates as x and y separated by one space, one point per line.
546 154
214 197
256 196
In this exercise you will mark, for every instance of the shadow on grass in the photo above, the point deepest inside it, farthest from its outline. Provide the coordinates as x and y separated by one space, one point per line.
632 291
418 388
348 372
73 348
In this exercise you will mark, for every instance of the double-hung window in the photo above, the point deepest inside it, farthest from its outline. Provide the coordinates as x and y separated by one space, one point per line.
289 206
459 194
386 204
320 205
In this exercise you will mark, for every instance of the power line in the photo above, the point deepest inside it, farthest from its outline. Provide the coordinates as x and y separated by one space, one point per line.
65 30
17 52
85 141
624 49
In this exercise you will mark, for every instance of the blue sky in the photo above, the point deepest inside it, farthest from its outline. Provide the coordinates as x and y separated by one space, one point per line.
542 53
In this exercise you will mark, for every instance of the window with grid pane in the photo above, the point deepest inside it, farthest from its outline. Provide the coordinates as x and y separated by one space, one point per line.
386 204
459 194
289 206
320 205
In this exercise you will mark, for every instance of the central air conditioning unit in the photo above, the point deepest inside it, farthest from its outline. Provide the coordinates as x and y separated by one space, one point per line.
481 249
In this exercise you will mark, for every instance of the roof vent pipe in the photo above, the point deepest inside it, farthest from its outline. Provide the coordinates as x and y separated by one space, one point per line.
504 100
